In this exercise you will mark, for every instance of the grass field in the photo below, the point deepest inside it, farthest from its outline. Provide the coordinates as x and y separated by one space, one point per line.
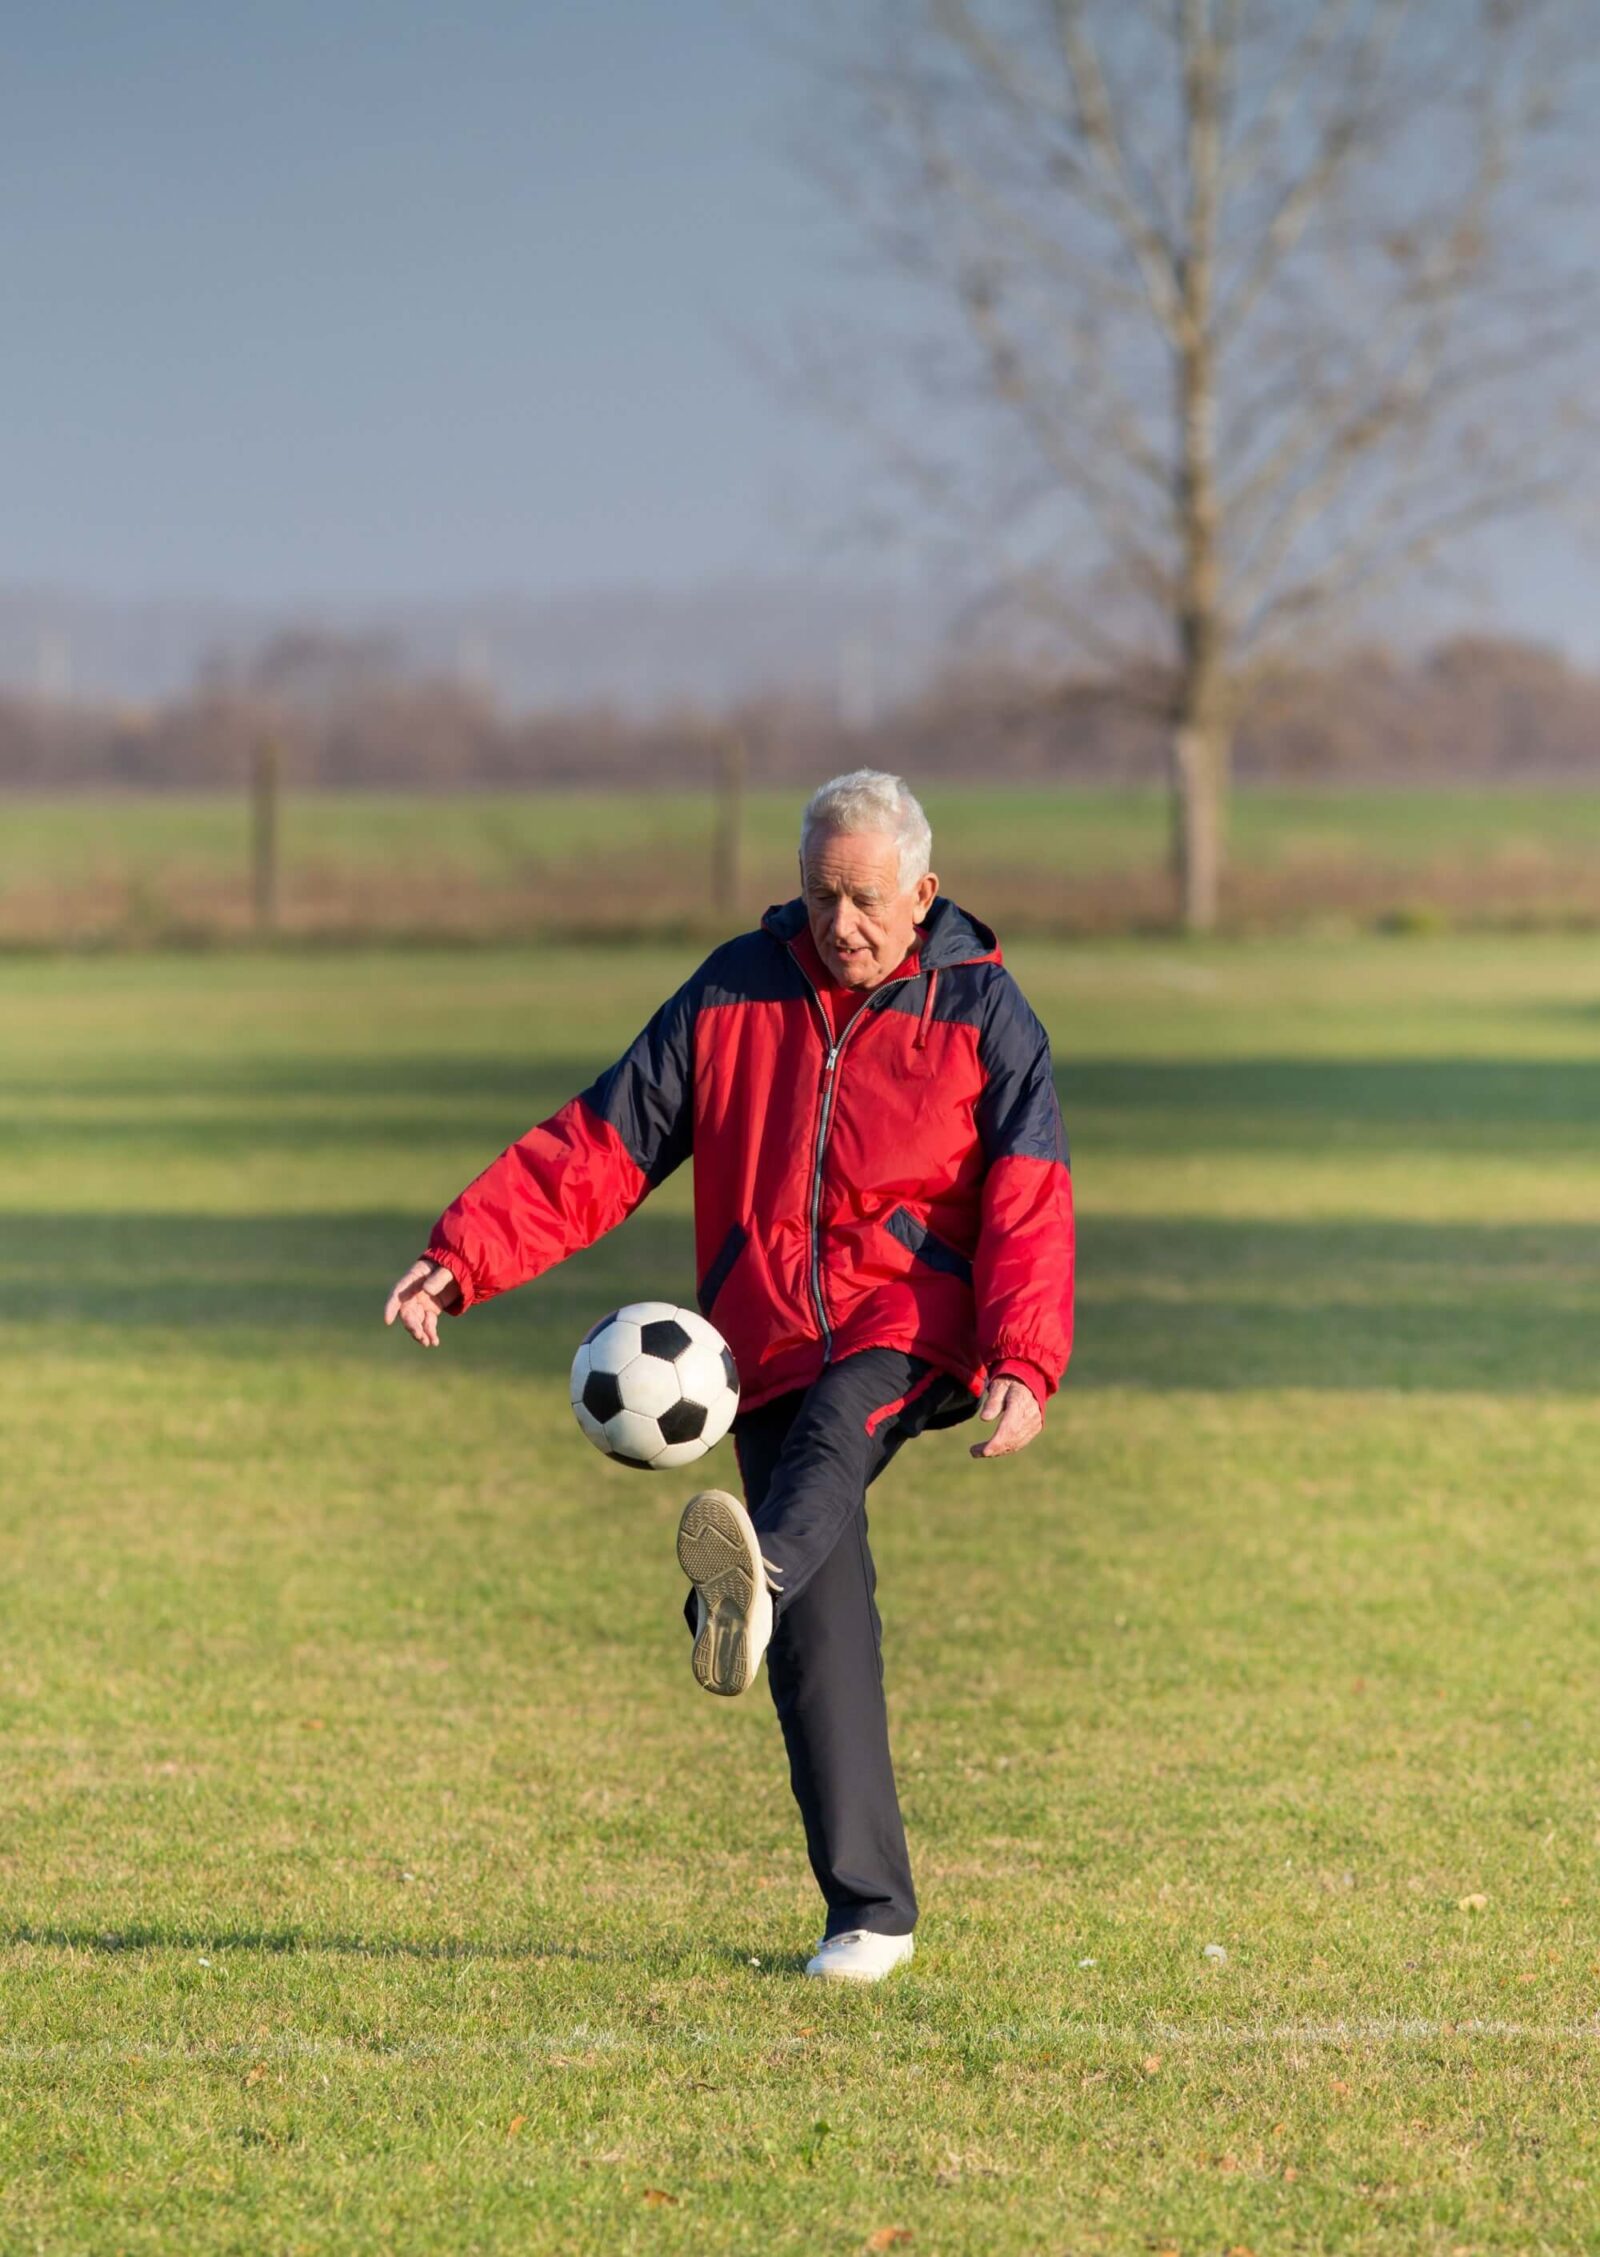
145 868
374 1876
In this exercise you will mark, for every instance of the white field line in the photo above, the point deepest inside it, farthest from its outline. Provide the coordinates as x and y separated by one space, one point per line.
562 2048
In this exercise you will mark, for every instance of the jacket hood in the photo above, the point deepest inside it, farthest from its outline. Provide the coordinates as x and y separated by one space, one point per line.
949 934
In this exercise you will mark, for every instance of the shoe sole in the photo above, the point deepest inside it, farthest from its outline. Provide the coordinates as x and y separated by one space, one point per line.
841 1975
832 1975
721 1562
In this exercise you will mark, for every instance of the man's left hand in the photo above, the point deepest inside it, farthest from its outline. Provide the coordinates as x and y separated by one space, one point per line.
1012 1402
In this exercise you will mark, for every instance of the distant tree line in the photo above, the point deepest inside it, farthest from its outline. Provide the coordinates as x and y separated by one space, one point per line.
1475 709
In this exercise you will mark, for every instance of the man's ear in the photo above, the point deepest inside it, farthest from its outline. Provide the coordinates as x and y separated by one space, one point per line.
925 893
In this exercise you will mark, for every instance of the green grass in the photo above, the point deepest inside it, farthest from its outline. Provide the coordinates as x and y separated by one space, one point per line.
374 1878
1091 859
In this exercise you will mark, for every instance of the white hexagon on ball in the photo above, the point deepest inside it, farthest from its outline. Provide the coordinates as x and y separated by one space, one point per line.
673 1454
701 1377
701 1328
616 1345
650 1386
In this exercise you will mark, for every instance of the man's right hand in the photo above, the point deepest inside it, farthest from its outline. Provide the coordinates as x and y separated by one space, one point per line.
427 1292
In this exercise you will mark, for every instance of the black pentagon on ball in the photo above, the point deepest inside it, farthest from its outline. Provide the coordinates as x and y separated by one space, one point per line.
602 1397
595 1330
665 1338
730 1369
685 1422
640 1465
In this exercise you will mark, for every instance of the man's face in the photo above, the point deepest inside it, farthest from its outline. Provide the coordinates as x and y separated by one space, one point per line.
862 920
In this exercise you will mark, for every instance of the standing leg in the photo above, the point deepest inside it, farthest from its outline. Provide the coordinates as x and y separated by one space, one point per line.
806 1464
825 1667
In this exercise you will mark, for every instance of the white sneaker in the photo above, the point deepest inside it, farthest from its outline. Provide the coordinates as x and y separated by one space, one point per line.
719 1553
859 1956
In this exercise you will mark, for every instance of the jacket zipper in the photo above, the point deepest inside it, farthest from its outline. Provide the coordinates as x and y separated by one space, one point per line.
824 1118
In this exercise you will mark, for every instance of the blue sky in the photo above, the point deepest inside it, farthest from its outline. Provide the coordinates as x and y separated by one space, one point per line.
392 298
376 300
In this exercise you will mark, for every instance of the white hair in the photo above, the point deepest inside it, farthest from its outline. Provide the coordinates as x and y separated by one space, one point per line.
869 799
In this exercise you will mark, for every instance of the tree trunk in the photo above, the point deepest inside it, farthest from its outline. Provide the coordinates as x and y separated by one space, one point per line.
1199 756
1200 736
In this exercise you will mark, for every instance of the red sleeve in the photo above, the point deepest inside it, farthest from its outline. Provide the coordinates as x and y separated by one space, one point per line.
553 1192
1023 1271
579 1174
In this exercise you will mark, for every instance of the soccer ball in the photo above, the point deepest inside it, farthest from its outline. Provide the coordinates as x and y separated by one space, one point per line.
654 1386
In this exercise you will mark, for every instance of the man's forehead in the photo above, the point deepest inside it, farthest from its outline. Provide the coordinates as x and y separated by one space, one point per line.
853 858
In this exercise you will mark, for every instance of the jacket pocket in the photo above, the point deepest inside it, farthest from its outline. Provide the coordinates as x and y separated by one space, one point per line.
932 1252
717 1276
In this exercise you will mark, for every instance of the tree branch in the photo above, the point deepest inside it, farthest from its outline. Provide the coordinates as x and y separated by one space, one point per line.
1143 239
1358 573
1342 135
1283 99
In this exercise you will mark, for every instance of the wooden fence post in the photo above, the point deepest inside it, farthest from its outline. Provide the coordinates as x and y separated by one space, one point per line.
265 778
727 834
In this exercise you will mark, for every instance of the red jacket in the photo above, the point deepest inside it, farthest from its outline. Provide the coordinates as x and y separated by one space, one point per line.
905 1186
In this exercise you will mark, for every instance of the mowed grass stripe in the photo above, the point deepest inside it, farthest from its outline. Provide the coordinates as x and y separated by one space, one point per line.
355 1674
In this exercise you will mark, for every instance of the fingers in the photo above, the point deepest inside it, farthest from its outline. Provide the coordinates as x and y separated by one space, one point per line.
1015 1431
1020 1417
420 1298
392 1307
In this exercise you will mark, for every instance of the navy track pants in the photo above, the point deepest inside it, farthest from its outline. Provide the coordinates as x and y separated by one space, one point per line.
807 1461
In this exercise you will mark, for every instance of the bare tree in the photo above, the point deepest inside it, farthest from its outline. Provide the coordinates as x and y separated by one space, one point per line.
1262 308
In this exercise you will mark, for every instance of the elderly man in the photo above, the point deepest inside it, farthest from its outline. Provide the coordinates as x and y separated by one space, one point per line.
883 1231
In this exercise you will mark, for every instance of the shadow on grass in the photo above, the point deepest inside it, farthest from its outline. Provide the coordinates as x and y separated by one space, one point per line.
1165 1301
1329 1106
1294 1106
160 1936
204 1276
1179 1301
156 1936
237 1110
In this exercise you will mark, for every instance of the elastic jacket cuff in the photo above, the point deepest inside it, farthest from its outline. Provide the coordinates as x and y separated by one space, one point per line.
448 1259
1014 1367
